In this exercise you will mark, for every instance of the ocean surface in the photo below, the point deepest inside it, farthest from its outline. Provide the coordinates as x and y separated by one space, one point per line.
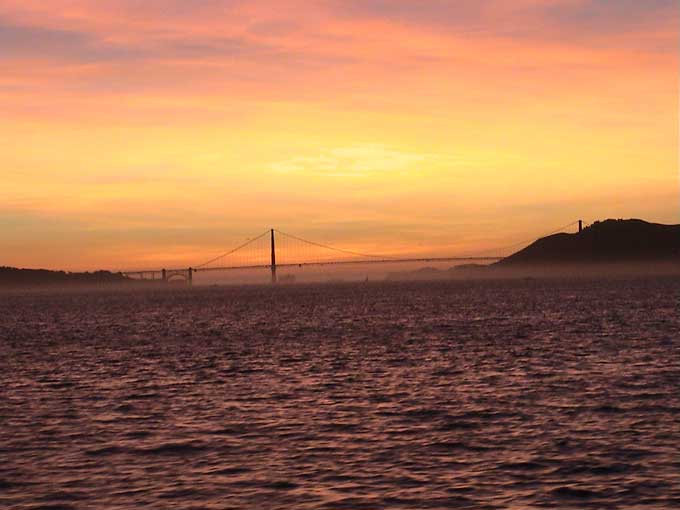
484 395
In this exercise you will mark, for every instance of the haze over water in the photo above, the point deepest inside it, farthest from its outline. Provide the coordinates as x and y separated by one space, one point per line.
518 394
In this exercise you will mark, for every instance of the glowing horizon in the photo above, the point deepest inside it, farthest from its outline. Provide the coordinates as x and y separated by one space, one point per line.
158 134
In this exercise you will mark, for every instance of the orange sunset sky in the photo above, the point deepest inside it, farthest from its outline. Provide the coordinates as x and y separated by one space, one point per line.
152 133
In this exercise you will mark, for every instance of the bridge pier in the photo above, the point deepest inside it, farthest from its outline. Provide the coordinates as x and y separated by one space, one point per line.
273 258
164 275
190 277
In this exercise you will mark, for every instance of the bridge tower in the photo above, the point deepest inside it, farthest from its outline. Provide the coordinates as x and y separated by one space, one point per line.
580 226
273 259
190 276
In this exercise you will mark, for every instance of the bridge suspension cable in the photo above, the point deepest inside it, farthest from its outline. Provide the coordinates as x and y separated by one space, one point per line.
332 248
527 242
234 250
294 250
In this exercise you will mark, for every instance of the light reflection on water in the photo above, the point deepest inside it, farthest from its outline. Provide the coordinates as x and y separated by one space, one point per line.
443 395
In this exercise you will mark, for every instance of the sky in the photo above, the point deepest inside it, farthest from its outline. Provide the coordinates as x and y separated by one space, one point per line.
158 133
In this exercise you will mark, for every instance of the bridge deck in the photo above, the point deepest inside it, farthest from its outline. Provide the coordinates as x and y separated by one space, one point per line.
323 263
350 262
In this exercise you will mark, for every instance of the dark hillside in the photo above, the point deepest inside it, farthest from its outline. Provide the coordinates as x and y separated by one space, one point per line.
610 241
13 277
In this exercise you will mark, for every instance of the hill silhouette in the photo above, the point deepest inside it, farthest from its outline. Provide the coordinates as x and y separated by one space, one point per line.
610 247
610 241
14 277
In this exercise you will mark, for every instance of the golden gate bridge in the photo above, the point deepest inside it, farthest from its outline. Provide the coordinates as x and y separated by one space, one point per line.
274 249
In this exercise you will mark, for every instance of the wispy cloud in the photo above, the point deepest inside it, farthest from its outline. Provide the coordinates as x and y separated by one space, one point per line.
354 161
578 20
175 112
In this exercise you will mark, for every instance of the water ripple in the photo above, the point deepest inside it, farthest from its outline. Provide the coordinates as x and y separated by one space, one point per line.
484 395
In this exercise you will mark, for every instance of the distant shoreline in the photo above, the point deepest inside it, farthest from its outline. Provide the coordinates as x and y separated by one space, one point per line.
12 277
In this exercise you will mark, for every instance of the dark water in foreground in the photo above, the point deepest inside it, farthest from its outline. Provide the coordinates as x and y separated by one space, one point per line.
366 396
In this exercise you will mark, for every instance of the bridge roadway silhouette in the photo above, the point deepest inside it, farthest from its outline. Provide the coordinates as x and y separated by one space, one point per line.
255 260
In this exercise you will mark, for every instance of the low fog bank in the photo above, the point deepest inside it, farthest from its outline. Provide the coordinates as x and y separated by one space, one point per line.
580 270
423 274
440 272
311 274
